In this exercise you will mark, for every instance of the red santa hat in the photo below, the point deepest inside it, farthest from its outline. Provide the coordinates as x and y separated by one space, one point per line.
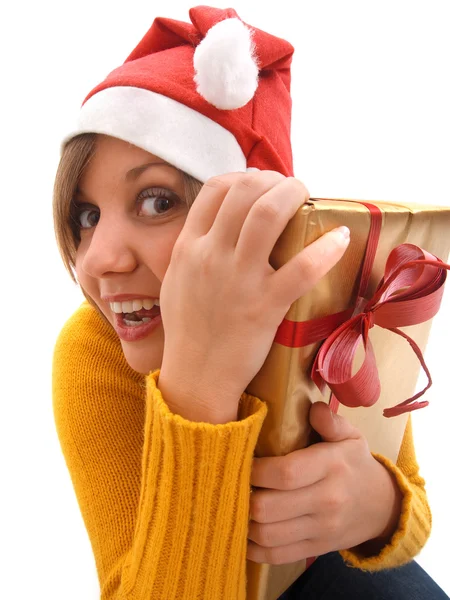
209 97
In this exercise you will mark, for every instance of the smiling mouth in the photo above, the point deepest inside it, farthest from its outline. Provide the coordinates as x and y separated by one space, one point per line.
135 326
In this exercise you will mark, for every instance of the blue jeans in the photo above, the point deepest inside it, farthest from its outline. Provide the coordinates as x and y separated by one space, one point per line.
328 578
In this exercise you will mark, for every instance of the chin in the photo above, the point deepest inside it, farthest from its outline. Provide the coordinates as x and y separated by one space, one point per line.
143 356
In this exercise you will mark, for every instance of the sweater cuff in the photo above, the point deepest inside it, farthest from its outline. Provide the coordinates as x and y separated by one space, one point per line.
411 533
251 411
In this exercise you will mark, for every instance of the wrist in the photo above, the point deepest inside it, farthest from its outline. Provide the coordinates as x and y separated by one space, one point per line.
197 404
388 507
393 498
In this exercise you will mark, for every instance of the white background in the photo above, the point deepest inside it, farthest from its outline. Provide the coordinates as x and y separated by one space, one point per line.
370 121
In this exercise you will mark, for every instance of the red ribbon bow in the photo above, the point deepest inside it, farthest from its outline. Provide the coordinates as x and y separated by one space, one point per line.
409 293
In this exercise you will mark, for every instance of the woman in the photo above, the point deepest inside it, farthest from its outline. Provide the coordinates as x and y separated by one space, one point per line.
183 306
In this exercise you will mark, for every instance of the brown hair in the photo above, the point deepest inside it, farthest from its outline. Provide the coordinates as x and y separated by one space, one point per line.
74 159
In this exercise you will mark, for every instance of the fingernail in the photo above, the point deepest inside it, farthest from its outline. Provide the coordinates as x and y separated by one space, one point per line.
344 231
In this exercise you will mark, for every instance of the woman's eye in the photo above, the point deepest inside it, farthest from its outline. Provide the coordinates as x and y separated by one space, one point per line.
88 218
157 201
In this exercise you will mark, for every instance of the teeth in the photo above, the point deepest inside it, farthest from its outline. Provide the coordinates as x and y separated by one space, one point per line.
127 307
137 323
132 323
133 305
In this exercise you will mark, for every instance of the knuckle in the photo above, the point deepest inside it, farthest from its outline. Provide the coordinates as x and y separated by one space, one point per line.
207 261
227 180
272 174
332 525
246 180
253 314
298 186
179 249
264 176
274 556
289 475
261 535
304 190
258 510
216 182
334 501
335 457
339 467
310 263
266 211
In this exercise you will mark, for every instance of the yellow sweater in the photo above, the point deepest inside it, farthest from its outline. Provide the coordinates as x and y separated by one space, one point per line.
165 501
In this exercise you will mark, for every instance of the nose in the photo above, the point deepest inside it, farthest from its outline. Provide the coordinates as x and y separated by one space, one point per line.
111 249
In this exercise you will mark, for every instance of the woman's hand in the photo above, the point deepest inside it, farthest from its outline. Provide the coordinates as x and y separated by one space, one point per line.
333 495
221 301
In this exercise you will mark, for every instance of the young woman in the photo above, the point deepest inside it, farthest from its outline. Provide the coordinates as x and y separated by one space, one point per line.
169 198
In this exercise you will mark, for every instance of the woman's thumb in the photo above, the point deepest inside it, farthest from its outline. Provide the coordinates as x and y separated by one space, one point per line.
331 427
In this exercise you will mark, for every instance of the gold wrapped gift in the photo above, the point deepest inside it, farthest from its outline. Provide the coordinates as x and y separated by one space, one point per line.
285 383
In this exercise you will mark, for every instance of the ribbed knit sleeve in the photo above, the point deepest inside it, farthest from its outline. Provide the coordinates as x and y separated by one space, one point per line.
414 525
165 501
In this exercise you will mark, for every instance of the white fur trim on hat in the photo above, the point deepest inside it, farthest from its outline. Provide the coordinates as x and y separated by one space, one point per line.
168 129
225 65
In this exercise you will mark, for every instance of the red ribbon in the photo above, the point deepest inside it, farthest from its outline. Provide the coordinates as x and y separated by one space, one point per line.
409 293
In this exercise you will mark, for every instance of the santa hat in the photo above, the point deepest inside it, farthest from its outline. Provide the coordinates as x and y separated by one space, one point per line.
209 97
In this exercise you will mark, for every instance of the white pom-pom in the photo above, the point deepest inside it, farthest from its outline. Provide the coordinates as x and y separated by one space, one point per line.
225 65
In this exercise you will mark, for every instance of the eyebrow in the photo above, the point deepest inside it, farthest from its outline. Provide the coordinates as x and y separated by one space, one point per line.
134 173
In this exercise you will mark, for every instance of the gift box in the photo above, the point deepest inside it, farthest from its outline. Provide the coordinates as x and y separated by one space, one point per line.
389 275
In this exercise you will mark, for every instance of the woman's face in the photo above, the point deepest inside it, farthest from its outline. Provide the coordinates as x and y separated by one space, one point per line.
131 208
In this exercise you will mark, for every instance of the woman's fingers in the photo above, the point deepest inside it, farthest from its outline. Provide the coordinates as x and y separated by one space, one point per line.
272 506
282 555
300 274
282 533
203 212
224 202
268 218
298 469
244 193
